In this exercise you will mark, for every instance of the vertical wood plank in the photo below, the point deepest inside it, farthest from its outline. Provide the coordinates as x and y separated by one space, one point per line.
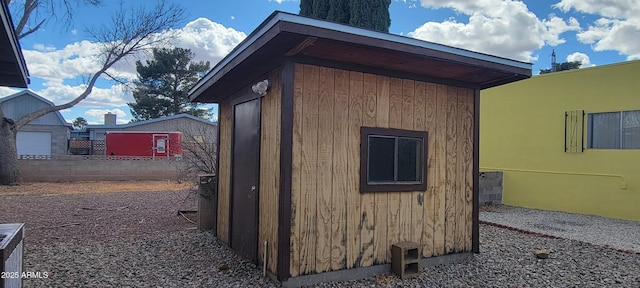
269 171
395 233
441 170
468 168
339 183
353 169
324 169
273 209
296 171
408 200
429 202
309 170
263 181
419 123
450 194
367 203
381 249
460 175
224 180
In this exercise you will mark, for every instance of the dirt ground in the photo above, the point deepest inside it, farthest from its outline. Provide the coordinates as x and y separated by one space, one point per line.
92 187
99 210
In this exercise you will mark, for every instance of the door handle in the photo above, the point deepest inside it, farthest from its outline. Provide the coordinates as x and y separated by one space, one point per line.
253 188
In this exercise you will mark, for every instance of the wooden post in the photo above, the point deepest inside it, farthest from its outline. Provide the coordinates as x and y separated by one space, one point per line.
207 202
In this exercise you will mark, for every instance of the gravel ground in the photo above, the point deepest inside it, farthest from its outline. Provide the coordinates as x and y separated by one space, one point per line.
165 251
53 218
618 234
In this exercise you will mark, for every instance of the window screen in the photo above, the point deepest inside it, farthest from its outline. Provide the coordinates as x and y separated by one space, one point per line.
614 130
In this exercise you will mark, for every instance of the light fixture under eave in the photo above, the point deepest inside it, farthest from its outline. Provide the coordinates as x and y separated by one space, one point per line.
262 87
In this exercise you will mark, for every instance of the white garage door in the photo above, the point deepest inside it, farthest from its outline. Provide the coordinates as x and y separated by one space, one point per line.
34 143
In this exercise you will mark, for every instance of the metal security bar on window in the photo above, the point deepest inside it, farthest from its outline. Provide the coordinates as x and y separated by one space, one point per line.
574 131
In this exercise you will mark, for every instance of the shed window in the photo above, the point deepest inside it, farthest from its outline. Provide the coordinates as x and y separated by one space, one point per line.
393 160
614 130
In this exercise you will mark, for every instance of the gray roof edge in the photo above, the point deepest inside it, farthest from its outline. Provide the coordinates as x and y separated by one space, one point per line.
278 16
7 22
401 39
38 97
181 115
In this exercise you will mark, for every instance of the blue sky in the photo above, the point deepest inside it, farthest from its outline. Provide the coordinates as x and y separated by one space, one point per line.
592 31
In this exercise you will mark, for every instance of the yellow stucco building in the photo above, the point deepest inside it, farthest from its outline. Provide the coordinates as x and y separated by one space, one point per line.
567 141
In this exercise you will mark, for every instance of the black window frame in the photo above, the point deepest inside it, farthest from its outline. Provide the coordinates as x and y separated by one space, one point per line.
365 185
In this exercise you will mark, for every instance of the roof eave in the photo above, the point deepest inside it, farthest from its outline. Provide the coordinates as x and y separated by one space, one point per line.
15 73
285 22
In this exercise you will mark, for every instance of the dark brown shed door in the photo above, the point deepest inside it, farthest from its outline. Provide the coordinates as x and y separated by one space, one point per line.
246 155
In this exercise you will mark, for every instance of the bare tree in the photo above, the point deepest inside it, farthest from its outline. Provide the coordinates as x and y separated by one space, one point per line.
199 149
131 32
34 13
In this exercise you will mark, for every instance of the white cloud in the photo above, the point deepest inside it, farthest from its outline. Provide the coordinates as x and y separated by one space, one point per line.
209 41
59 93
43 48
280 1
618 29
79 58
6 91
412 3
101 112
500 27
583 58
607 8
96 116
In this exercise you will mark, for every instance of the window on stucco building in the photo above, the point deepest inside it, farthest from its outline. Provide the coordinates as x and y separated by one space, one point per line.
614 130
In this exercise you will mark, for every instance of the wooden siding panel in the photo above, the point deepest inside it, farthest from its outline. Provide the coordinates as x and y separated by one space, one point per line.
417 205
394 212
270 173
324 169
440 176
408 200
367 203
460 179
224 173
309 170
468 124
353 170
429 205
296 171
330 107
339 183
381 247
451 182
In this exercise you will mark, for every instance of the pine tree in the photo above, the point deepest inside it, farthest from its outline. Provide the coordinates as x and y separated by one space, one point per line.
339 11
79 123
163 84
569 65
320 9
370 14
381 18
306 8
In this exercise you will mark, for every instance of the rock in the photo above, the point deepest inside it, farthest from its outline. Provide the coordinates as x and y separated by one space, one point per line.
223 267
541 253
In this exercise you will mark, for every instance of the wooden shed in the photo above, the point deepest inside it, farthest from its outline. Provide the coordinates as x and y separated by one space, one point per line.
337 142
